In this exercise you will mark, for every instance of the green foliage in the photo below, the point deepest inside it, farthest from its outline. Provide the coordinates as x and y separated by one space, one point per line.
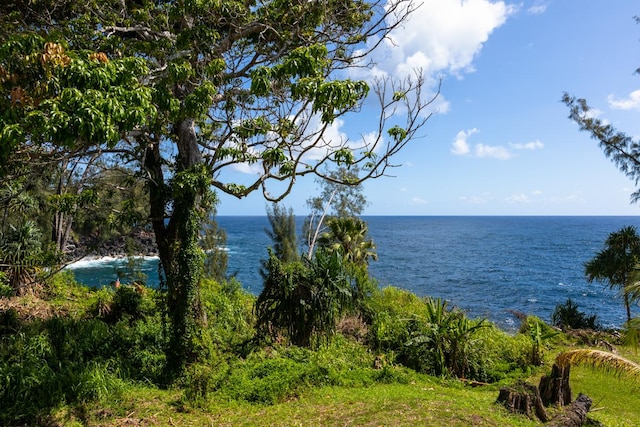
5 289
303 299
280 373
617 263
62 286
348 236
425 334
67 360
440 341
567 315
67 97
283 233
540 334
21 253
180 92
229 313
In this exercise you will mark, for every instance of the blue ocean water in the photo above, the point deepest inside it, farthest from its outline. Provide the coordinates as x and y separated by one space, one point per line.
487 266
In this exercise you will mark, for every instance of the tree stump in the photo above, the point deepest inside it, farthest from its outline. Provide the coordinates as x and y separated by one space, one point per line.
555 388
523 398
574 415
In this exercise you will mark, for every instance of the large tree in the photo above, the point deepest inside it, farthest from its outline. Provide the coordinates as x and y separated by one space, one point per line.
184 90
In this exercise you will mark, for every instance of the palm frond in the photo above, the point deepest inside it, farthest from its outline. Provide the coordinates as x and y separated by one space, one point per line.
601 360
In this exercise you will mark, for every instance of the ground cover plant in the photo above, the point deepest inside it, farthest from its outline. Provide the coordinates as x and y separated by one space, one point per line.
97 358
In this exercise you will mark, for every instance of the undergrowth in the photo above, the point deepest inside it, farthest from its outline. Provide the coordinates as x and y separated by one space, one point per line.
97 345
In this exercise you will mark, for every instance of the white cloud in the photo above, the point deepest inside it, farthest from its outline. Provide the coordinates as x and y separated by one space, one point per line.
477 200
495 151
418 201
461 147
518 199
440 38
533 145
460 144
444 36
537 8
630 103
250 169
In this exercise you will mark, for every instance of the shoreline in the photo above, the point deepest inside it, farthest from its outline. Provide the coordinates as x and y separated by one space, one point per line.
90 261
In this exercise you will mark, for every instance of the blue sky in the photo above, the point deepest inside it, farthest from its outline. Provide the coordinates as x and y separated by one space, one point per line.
501 142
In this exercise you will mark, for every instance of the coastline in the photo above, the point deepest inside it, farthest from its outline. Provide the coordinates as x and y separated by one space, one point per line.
90 261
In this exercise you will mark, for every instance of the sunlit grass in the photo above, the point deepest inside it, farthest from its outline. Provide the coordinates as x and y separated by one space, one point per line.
616 401
425 402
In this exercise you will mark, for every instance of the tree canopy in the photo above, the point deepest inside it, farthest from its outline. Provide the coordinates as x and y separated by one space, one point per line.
183 91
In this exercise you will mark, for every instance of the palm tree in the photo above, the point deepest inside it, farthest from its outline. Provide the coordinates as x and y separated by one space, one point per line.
617 263
601 360
349 236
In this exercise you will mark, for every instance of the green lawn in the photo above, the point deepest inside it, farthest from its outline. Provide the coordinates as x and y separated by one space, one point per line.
427 402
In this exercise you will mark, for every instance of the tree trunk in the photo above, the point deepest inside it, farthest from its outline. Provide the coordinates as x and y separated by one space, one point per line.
177 239
627 305
555 388
574 415
523 398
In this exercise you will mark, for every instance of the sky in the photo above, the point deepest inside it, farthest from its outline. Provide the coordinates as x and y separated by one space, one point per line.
499 141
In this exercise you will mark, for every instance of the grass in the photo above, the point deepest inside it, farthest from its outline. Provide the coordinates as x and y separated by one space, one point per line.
616 401
426 402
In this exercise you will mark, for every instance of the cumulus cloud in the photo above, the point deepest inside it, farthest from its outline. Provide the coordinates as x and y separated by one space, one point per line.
460 144
441 37
461 147
533 145
630 103
445 35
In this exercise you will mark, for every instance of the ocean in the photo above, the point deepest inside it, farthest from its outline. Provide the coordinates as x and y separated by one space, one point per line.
489 266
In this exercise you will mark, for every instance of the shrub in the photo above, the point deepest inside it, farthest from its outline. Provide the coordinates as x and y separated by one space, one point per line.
390 310
441 339
303 300
427 335
568 316
229 314
497 355
65 359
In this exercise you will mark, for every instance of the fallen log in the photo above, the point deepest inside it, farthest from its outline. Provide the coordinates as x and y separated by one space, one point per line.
574 415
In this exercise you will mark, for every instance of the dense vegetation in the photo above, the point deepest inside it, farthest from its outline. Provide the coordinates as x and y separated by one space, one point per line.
77 355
